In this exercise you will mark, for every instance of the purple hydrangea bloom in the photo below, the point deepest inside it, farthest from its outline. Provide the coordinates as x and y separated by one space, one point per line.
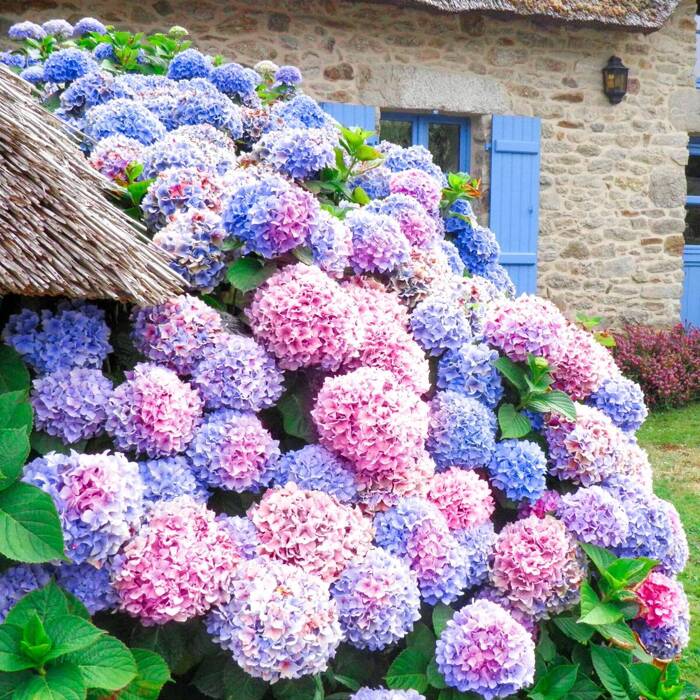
99 499
91 586
88 25
440 322
476 545
393 525
314 468
90 90
66 65
233 451
288 75
235 81
462 431
397 159
665 642
26 30
594 516
331 244
454 260
71 403
76 335
374 181
384 694
126 117
17 581
298 153
469 370
188 64
377 242
168 478
244 534
238 373
499 277
270 215
378 600
33 74
301 112
415 223
58 28
518 468
622 400
484 650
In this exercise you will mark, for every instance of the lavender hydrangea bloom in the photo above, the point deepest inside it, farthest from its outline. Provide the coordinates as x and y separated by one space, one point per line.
126 117
454 260
26 30
377 242
95 88
71 403
298 153
374 181
476 545
244 534
484 650
166 154
66 65
397 159
623 401
76 335
33 74
168 478
378 600
17 581
209 106
91 586
440 323
235 81
384 694
314 468
462 431
594 516
518 468
58 28
104 52
298 113
665 642
88 25
499 277
393 525
469 370
414 221
188 64
288 75
331 244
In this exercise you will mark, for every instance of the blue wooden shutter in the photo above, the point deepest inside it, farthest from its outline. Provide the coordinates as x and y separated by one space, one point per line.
350 115
515 196
690 304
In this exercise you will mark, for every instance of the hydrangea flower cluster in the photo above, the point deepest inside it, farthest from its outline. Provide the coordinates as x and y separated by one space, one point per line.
518 468
113 155
463 497
383 694
469 370
66 65
298 153
378 243
662 599
331 244
126 117
170 477
622 401
17 581
91 586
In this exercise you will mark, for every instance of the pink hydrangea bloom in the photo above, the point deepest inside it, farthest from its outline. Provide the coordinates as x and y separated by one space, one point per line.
374 303
419 185
371 420
311 530
304 318
635 463
177 333
113 154
463 497
153 412
179 564
546 504
536 565
662 599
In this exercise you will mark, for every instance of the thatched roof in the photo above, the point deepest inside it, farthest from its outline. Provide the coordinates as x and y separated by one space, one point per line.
59 234
639 15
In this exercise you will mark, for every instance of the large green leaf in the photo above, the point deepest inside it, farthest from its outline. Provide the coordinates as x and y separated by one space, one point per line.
246 274
35 643
14 375
610 670
644 678
574 630
512 372
422 639
45 602
61 682
30 530
14 450
107 664
70 633
602 558
629 572
555 684
435 678
585 689
512 423
15 410
589 598
553 402
9 682
152 674
408 670
11 657
300 689
602 614
296 417
442 614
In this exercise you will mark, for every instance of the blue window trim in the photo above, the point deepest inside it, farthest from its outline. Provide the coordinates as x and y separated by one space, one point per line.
693 150
419 135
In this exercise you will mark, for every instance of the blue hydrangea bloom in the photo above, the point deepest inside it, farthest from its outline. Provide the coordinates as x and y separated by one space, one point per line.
439 323
469 370
375 182
235 81
244 534
384 694
315 468
88 25
665 642
75 336
453 258
331 244
33 74
393 525
288 75
209 107
298 153
58 28
378 245
169 154
67 65
298 113
189 63
518 468
12 60
92 89
126 117
26 30
104 52
460 217
477 544
91 586
476 244
17 581
622 400
462 431
499 277
398 159
170 477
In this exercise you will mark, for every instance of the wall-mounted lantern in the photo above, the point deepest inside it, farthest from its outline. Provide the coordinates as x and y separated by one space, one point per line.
615 79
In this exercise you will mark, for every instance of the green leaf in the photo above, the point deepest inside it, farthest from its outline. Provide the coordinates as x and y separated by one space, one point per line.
421 639
152 674
589 598
602 614
296 416
170 641
14 450
553 402
585 689
15 410
622 636
644 678
35 643
555 684
304 254
442 614
545 646
30 530
611 672
301 689
435 678
43 444
512 372
630 571
346 681
137 190
70 633
11 656
574 630
9 682
107 664
408 670
365 153
14 375
602 558
512 423
61 682
45 602
359 196
246 274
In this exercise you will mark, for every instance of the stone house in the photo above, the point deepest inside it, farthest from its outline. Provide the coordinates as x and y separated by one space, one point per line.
587 198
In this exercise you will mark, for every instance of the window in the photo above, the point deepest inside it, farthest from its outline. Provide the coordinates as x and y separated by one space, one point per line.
692 173
447 138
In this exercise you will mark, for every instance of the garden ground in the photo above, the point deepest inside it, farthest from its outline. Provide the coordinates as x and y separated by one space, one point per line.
672 439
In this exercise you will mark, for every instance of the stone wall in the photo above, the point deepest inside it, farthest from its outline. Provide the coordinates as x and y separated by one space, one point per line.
613 184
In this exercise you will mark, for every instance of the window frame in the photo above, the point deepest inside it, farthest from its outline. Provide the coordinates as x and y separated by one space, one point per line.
693 150
420 122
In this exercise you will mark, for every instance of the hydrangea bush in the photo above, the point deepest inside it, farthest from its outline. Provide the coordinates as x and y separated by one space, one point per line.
349 461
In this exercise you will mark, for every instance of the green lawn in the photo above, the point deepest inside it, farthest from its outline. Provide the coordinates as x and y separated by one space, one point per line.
672 439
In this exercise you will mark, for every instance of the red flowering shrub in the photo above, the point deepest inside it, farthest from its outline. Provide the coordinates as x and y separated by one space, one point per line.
665 362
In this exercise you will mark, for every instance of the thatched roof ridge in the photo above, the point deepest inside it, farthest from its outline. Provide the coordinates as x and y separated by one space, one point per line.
638 15
59 234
